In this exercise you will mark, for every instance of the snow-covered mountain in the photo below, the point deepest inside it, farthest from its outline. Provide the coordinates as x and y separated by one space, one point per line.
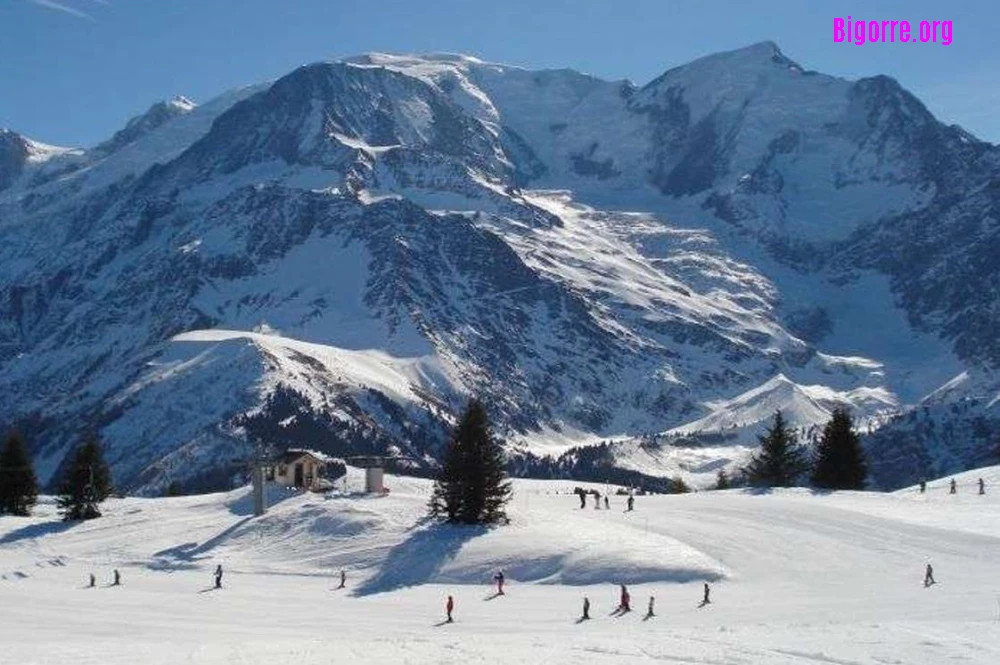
342 256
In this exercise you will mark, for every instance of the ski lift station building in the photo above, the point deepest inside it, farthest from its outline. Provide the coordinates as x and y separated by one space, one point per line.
374 467
299 468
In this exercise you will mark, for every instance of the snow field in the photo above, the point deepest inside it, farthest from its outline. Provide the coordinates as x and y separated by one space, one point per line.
796 577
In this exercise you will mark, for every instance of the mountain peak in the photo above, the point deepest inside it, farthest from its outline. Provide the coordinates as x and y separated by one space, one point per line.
182 104
13 154
735 73
157 114
764 48
765 54
408 59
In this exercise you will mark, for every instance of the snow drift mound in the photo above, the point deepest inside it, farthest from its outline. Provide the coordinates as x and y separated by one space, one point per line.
385 542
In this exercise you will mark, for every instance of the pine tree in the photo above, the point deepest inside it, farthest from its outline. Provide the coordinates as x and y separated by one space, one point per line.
472 487
781 459
18 484
446 498
87 482
839 461
722 480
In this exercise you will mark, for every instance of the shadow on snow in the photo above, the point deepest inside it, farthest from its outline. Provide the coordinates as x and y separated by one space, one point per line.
186 554
420 557
36 531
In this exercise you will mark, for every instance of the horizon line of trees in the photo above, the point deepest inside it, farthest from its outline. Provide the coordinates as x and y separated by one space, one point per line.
85 484
837 461
472 485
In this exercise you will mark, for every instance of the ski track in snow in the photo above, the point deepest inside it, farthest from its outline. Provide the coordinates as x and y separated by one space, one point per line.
798 577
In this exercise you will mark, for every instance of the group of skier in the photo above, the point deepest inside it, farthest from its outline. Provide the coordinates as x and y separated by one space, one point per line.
582 494
624 601
953 486
116 578
624 598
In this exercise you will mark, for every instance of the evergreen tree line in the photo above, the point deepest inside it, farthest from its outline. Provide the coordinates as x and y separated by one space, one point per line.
837 462
18 484
85 484
471 486
592 463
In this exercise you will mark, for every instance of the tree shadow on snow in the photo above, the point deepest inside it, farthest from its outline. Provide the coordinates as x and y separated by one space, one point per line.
419 558
182 556
36 531
242 506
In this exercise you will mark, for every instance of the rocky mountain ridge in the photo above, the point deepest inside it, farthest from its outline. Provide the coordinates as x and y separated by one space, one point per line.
341 257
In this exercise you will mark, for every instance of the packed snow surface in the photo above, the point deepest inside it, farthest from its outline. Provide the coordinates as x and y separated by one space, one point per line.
796 577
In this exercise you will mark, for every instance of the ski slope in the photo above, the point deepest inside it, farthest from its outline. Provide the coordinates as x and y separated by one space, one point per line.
796 577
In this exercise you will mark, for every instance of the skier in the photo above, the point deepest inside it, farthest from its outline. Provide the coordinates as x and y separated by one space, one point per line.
343 579
649 610
929 576
953 488
583 497
607 504
449 606
923 486
586 609
705 600
624 603
499 580
597 500
631 502
93 581
982 487
218 576
118 579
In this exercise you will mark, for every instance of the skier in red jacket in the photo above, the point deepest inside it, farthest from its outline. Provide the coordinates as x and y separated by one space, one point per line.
449 606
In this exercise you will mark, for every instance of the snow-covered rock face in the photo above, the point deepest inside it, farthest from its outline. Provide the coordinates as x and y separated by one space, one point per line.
13 155
142 125
340 258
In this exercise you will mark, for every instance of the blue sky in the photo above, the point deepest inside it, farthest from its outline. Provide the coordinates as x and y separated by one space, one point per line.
73 71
